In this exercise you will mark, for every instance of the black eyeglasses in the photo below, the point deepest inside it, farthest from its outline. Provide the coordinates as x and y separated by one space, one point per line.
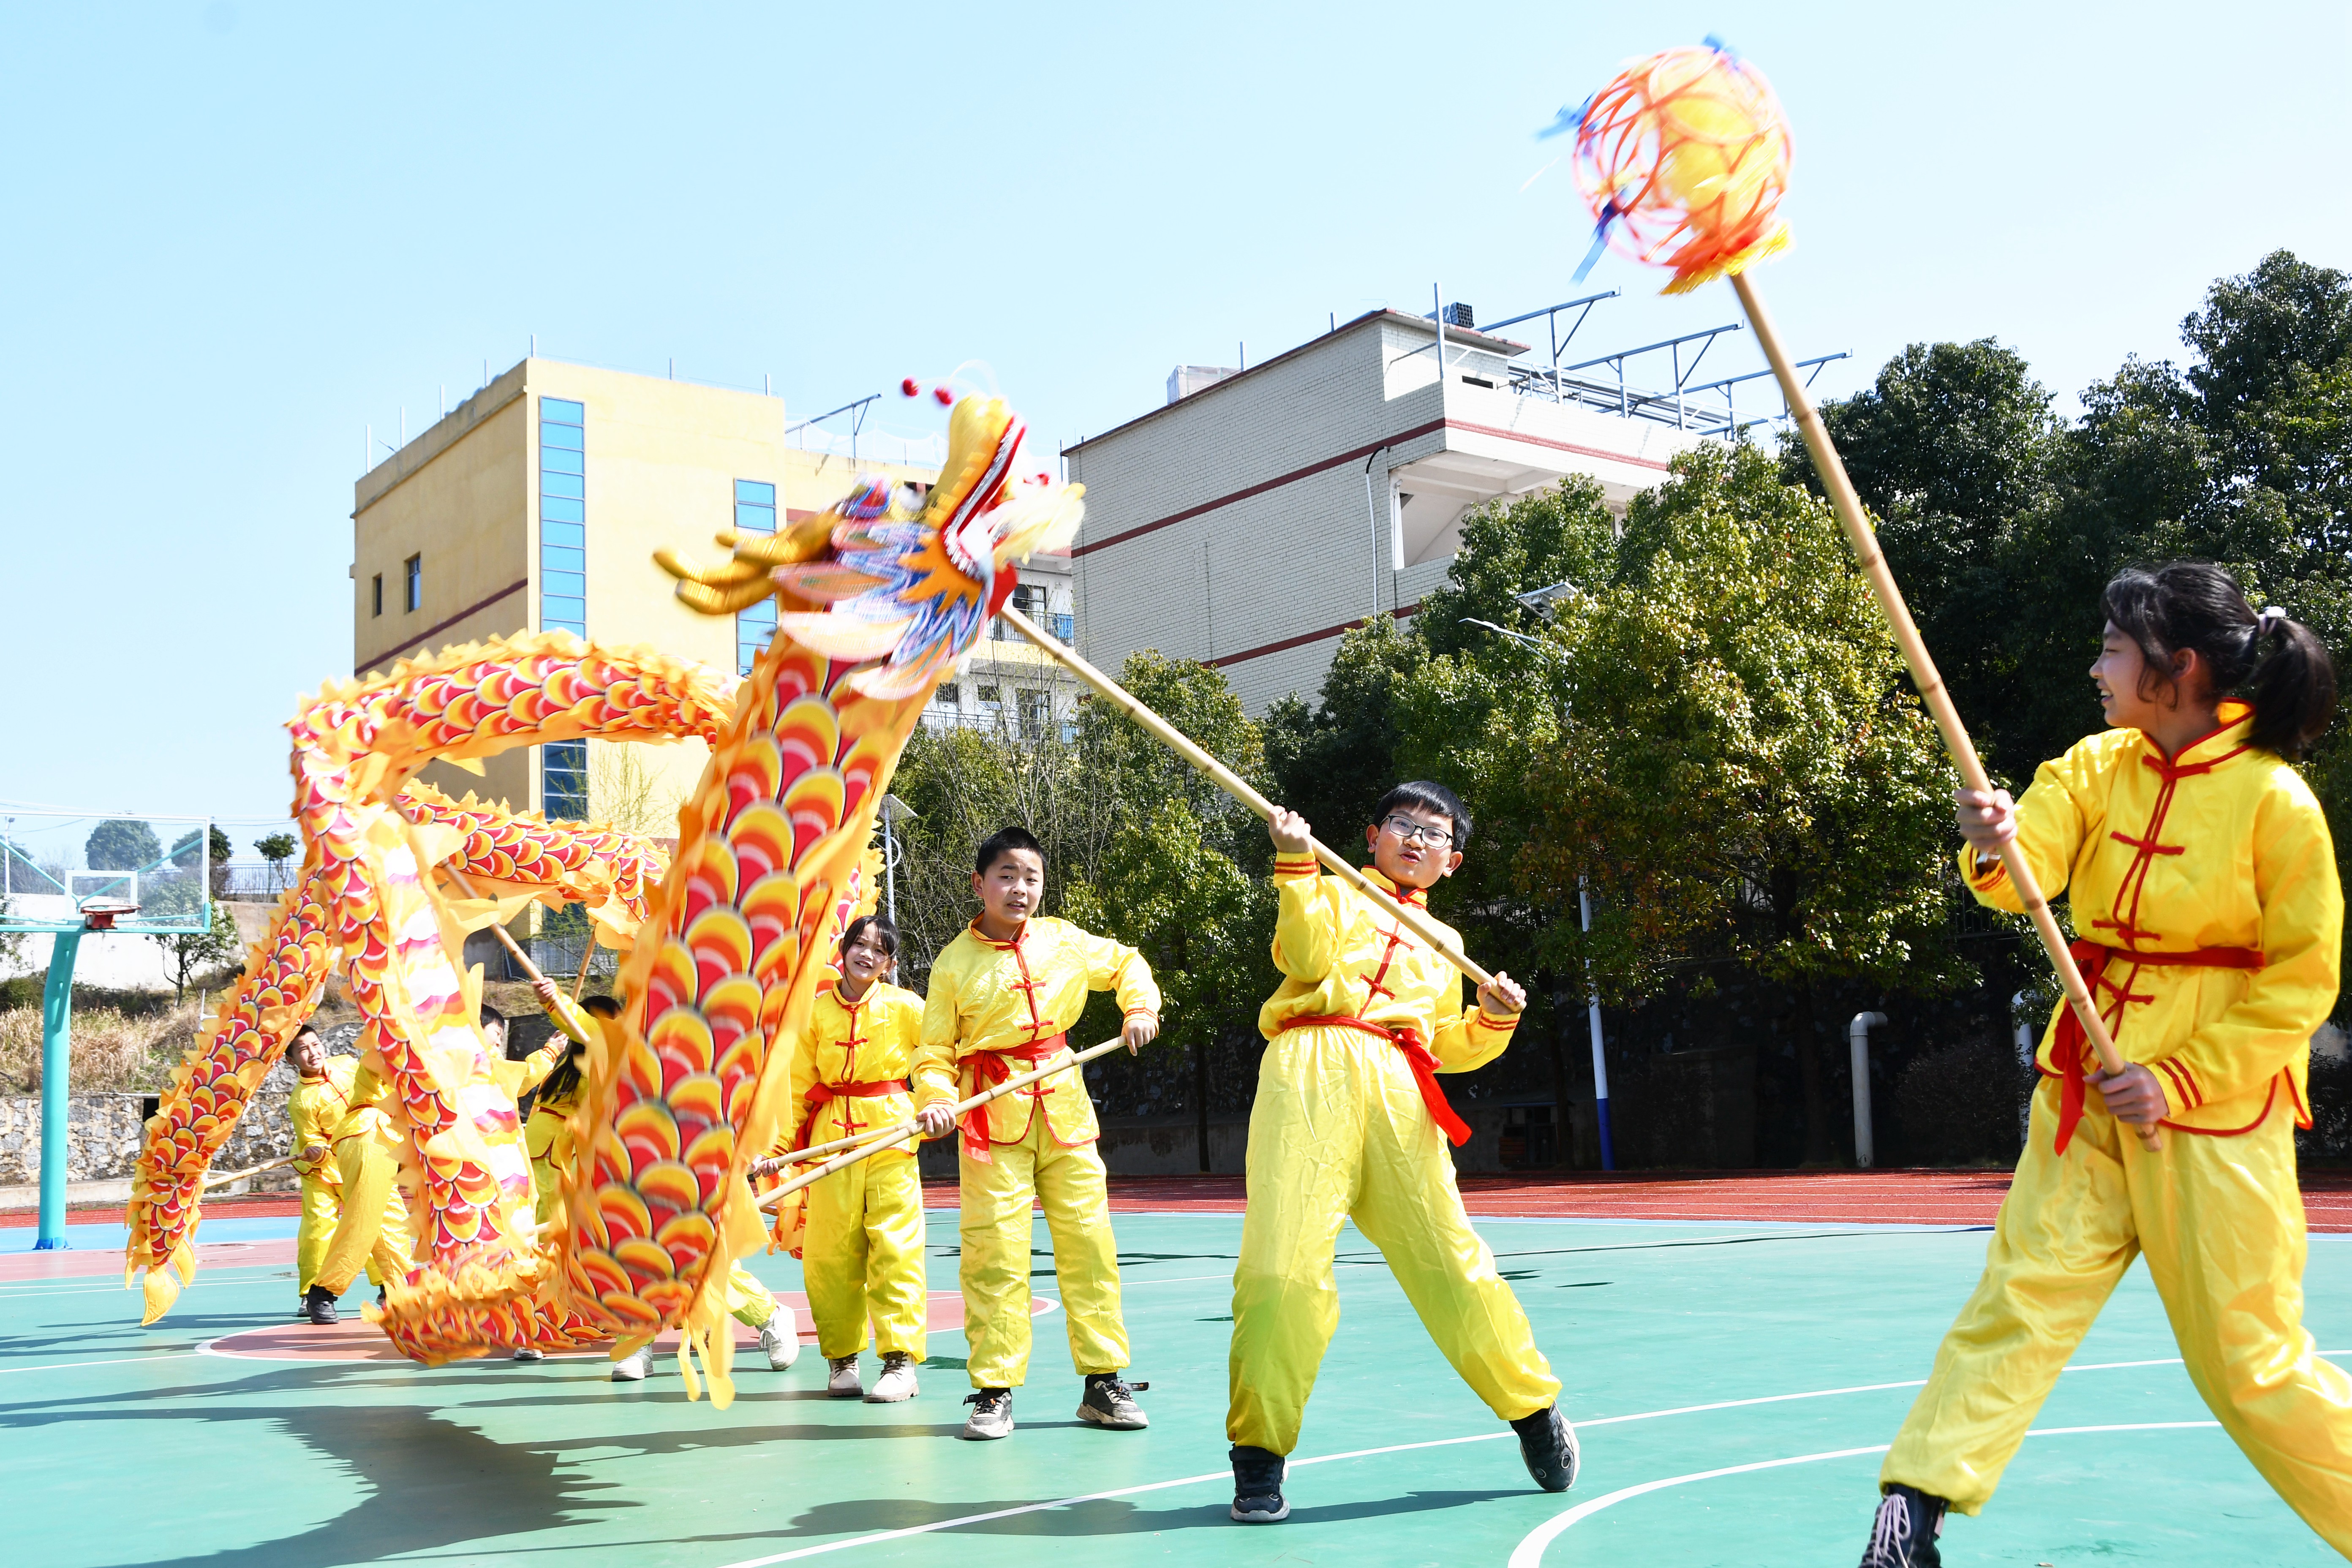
1413 832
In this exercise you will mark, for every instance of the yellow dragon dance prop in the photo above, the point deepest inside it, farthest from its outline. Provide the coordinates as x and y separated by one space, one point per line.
726 957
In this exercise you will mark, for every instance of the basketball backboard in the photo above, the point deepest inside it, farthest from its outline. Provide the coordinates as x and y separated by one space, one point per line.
127 872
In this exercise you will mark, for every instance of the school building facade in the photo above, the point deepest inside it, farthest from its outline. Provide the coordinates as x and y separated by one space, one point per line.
1262 514
537 505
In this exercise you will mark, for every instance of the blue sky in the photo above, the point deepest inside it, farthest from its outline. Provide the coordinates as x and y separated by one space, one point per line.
239 233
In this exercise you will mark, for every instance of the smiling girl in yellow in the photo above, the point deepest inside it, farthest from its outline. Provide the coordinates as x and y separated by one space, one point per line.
862 1253
1350 1123
2202 881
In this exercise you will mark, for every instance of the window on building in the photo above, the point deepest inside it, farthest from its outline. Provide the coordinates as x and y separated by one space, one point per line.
415 572
562 517
755 628
563 781
992 697
1036 713
379 595
948 695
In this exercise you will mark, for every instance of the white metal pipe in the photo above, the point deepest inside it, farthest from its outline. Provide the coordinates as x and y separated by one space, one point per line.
1858 1041
1600 1060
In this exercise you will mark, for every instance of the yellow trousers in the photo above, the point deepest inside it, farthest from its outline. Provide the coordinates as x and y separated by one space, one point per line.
1067 1183
322 1205
545 1140
2220 1223
1339 1132
372 1227
863 1255
747 1298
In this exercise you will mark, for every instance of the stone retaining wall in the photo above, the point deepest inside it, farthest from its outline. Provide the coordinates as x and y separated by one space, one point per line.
103 1131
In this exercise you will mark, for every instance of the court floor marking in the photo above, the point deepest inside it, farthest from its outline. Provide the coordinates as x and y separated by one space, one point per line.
1529 1551
1570 1517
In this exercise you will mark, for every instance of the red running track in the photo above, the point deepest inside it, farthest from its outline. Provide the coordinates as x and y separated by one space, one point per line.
1834 1197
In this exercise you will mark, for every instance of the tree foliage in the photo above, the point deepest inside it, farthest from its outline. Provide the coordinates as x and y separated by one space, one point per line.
120 844
188 955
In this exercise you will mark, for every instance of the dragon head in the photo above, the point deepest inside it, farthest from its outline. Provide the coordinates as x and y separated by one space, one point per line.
909 594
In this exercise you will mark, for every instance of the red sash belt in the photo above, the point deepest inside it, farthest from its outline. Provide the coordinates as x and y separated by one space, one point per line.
989 1069
819 1094
2069 1044
1424 1066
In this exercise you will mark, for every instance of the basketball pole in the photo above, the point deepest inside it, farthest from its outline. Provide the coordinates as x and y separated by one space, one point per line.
57 1052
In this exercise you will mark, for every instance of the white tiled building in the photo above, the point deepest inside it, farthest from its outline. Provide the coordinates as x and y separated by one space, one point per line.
1004 682
1260 514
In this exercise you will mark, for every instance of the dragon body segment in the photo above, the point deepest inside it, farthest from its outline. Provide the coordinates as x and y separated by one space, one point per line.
726 951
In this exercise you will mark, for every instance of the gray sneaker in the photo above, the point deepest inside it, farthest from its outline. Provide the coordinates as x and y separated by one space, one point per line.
633 1367
1109 1403
841 1377
526 1353
991 1414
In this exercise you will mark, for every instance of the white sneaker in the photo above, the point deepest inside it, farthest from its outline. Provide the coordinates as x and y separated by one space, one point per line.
527 1353
896 1382
633 1367
992 1415
841 1377
780 1336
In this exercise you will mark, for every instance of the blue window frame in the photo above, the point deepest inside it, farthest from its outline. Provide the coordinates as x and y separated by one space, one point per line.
563 781
755 628
563 582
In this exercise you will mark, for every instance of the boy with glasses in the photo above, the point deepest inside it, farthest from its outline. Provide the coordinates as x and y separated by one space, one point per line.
1350 1123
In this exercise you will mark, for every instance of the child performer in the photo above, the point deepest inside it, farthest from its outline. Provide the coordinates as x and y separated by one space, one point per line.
1002 995
326 1108
862 1253
2202 879
547 1111
1350 1123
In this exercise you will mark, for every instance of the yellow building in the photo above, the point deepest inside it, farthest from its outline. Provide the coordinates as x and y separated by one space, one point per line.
537 504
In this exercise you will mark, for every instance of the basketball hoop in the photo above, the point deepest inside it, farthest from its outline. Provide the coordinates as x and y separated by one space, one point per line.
99 914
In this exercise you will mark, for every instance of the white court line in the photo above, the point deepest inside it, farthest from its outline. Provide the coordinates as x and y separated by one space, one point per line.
1530 1551
118 1360
936 1525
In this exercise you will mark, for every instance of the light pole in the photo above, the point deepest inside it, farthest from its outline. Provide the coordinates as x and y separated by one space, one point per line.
1584 914
893 809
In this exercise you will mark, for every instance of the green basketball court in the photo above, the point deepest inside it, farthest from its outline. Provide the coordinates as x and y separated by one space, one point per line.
1731 1382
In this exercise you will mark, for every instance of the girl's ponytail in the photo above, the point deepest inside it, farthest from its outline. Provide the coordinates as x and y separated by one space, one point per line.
2293 689
2277 664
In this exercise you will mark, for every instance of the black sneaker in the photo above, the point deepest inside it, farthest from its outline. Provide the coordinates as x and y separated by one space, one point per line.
992 1415
1109 1403
382 1298
318 1305
1259 1475
1904 1533
1547 1444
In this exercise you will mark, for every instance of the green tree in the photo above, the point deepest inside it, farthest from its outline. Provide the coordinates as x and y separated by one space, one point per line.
1742 770
187 954
122 845
278 849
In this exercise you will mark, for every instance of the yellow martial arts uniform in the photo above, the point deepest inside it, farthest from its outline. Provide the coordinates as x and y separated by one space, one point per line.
997 1010
372 1227
2205 888
1347 1124
862 1253
319 1109
547 1133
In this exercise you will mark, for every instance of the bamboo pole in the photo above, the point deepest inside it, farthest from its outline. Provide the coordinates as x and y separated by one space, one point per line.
819 1150
1924 675
906 1130
222 1178
587 953
1421 926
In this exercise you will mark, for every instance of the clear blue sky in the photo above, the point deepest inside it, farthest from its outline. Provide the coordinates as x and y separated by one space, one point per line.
238 233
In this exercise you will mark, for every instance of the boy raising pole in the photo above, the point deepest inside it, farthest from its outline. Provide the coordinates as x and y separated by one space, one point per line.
1350 1123
1003 993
